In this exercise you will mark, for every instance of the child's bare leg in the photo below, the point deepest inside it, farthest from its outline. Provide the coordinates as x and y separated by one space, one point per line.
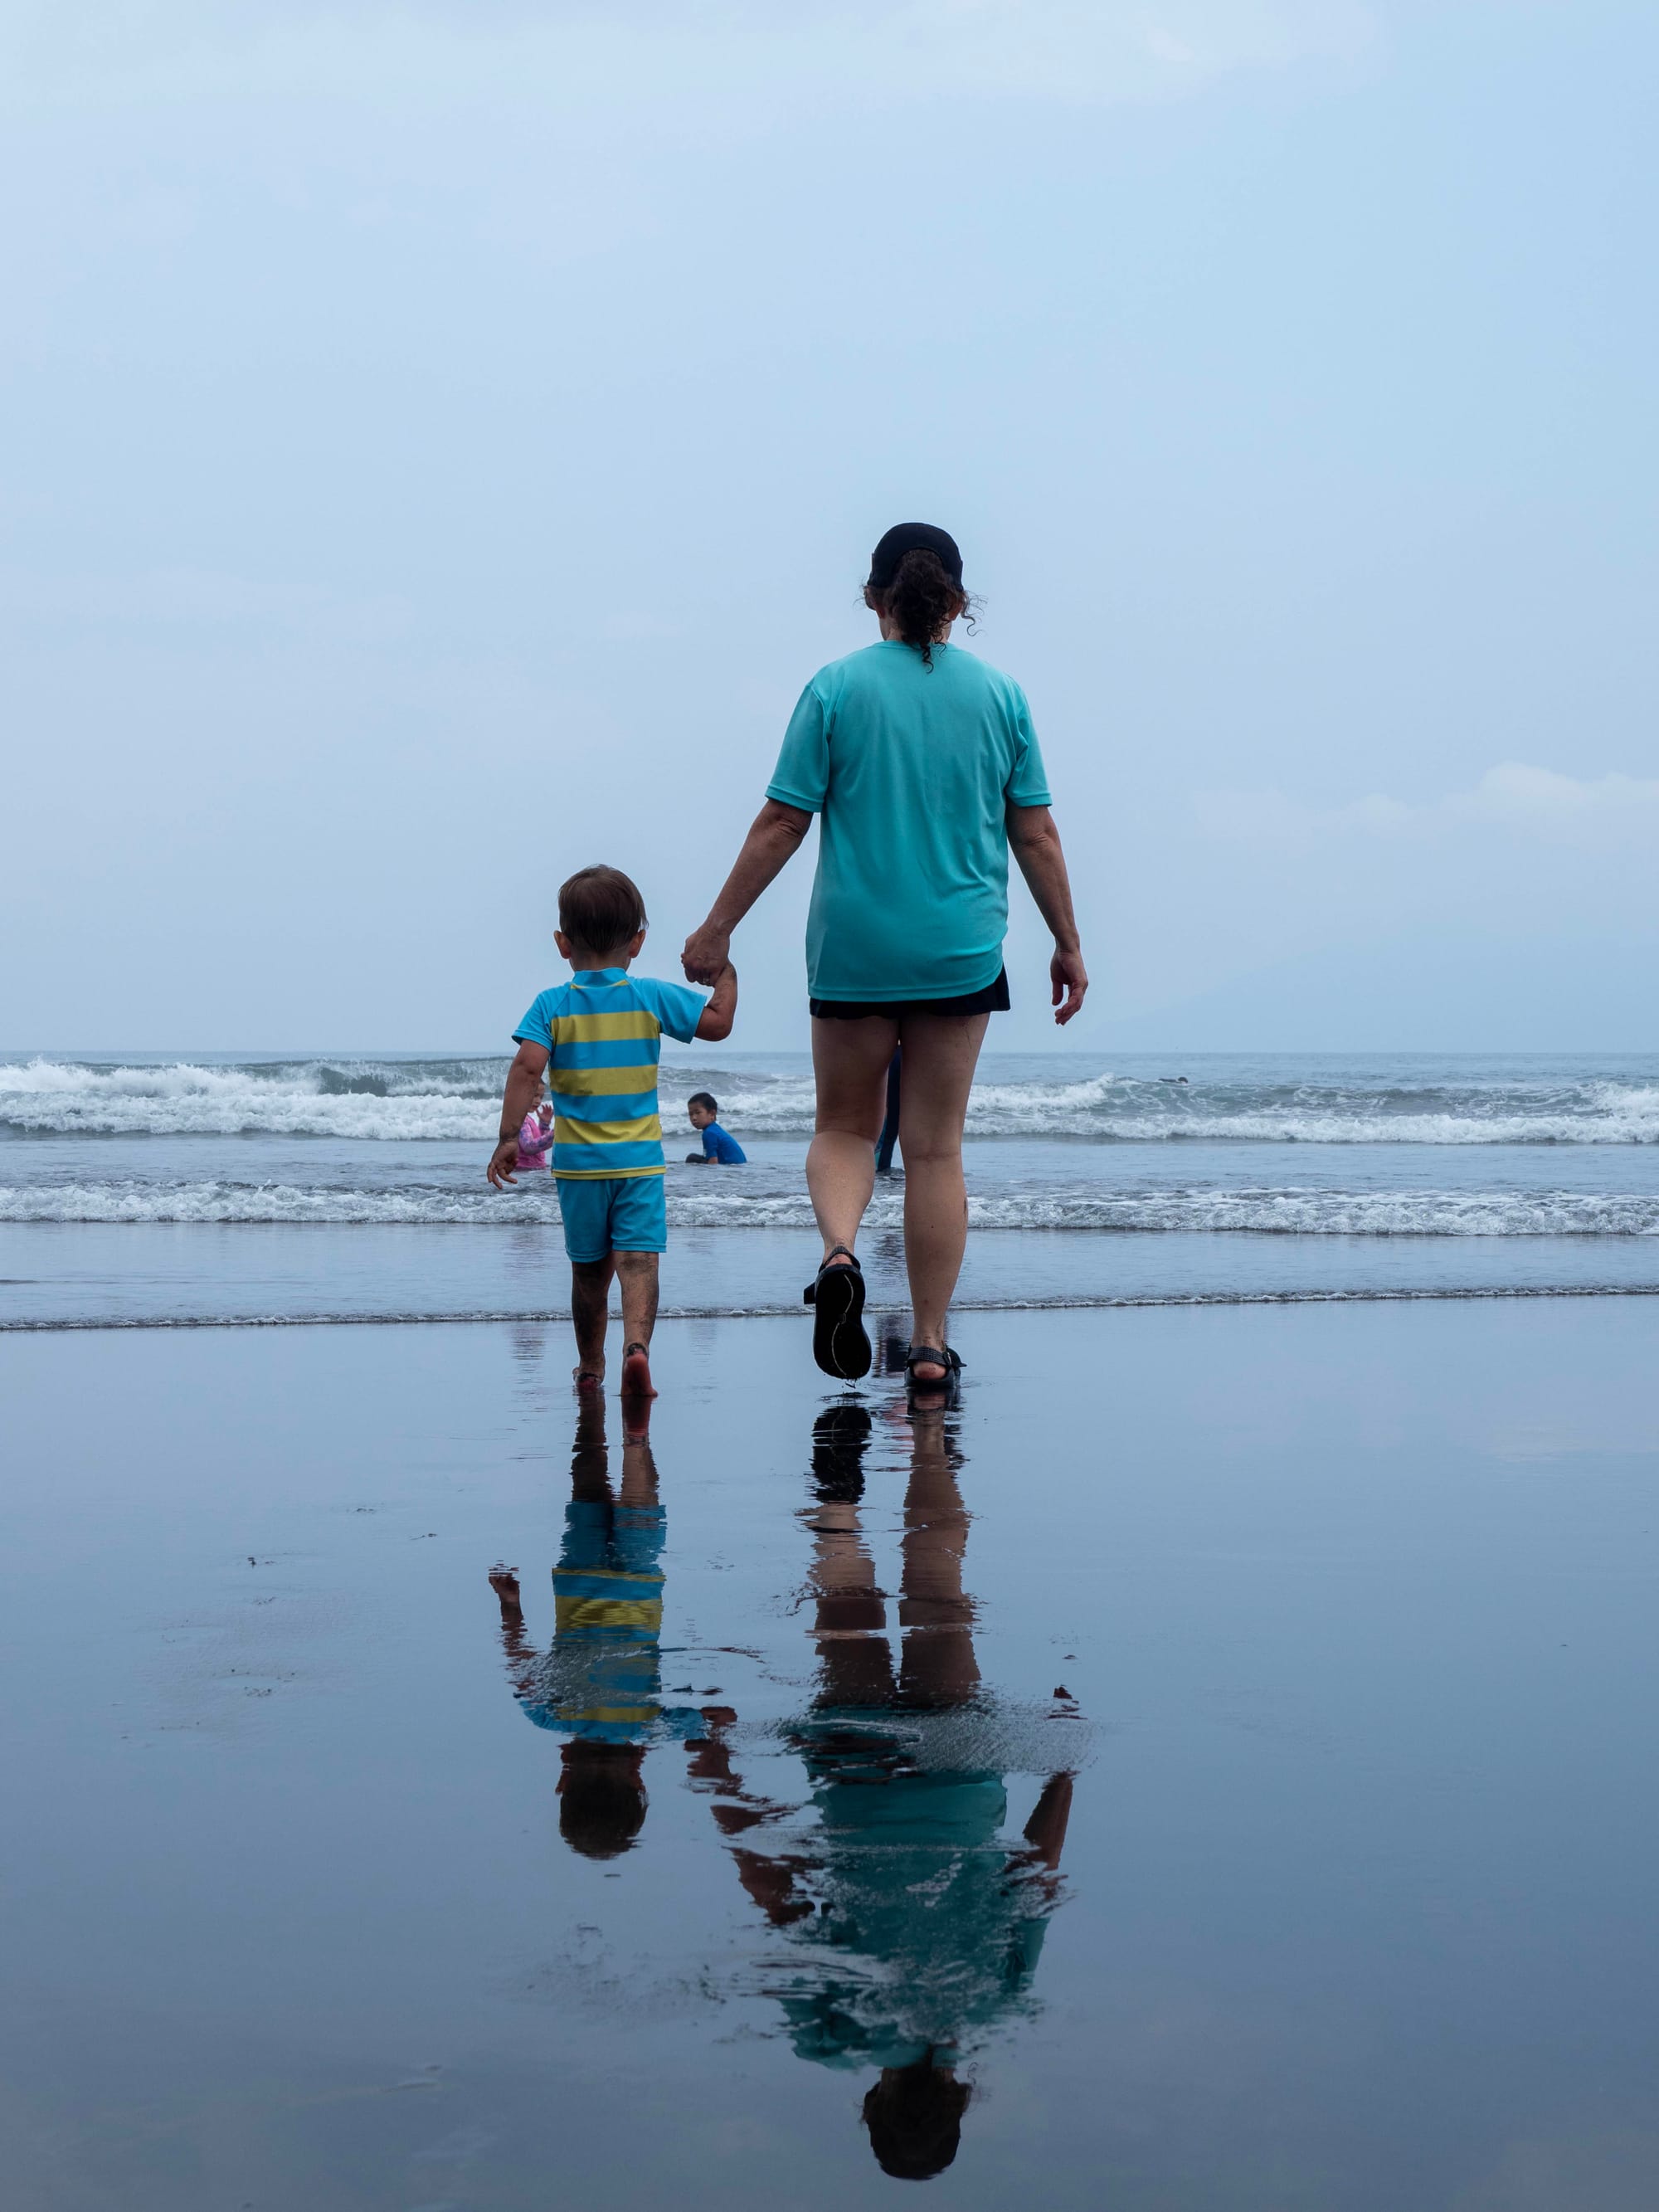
639 1474
637 1273
590 1306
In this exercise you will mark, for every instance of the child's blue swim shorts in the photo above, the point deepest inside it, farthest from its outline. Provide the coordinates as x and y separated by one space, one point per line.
605 1214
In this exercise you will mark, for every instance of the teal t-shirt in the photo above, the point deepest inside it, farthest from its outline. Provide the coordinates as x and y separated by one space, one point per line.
911 771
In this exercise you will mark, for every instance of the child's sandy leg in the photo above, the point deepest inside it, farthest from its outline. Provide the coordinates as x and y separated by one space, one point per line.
590 1304
637 1273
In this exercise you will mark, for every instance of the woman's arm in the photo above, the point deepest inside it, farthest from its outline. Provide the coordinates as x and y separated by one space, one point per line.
773 840
714 1024
1036 842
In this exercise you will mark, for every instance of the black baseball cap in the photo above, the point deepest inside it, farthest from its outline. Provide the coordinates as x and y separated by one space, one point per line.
913 538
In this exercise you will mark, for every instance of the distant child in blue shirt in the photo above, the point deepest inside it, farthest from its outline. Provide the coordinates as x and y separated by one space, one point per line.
717 1149
598 1039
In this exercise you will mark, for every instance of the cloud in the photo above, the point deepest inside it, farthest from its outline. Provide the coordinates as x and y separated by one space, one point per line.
1521 801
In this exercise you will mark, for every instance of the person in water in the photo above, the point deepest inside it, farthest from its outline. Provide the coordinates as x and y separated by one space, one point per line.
601 1036
890 1123
719 1150
922 765
599 1684
536 1138
913 1924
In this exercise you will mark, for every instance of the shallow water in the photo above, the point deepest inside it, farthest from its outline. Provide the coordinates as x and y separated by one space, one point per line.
164 1190
1338 1618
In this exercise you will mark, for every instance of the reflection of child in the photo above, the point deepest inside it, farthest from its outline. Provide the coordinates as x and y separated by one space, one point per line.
536 1137
599 1686
717 1149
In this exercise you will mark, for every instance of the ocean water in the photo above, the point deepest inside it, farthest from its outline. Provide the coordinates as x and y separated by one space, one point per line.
166 1188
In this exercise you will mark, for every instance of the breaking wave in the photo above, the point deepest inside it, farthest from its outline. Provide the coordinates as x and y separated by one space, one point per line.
1282 1211
455 1099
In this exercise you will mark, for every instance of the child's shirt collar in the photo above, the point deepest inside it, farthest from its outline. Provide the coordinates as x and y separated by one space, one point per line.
585 978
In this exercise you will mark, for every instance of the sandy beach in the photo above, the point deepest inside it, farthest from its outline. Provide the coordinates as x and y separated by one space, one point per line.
1339 1619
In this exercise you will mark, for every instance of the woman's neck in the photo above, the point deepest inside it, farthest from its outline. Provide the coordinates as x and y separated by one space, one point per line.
889 631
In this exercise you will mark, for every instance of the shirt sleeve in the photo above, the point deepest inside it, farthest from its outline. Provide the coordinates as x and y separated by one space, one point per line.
536 1027
1027 784
711 1150
801 777
677 1008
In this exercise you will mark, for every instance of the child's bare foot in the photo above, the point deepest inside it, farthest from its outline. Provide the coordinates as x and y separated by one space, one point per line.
637 1373
588 1378
504 1581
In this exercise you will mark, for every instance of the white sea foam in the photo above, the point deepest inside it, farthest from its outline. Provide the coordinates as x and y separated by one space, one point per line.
456 1100
1266 1210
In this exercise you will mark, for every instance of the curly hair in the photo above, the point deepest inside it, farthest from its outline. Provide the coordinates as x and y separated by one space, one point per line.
921 600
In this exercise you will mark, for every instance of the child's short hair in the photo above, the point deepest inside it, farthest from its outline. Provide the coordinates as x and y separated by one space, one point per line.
601 1797
601 908
705 1098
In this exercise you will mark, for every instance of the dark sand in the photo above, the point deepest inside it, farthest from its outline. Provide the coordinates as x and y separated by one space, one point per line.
1353 1608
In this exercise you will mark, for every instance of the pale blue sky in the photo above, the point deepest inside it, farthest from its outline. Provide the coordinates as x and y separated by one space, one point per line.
443 438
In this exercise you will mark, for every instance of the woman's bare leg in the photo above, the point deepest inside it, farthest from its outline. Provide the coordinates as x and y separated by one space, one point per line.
938 1668
850 1061
940 1053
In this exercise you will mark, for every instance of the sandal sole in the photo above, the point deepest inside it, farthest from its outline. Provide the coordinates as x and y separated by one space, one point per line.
840 1346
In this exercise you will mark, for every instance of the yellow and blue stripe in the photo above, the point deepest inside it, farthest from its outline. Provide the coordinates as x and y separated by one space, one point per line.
603 1030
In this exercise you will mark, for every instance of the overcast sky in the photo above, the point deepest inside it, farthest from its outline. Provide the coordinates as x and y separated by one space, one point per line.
443 439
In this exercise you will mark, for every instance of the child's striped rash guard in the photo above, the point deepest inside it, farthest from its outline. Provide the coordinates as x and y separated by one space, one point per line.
603 1030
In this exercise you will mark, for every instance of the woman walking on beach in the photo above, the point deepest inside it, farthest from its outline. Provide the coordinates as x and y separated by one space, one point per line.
922 764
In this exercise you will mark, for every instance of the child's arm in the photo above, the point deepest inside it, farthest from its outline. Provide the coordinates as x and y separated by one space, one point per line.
524 1088
722 1010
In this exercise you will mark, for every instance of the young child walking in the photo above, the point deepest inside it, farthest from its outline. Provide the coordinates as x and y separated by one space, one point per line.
598 1039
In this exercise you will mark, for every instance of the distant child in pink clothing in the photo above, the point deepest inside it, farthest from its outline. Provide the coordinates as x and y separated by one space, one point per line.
536 1137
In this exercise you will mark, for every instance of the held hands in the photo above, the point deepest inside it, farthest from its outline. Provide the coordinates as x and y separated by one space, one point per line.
1069 979
502 1161
707 954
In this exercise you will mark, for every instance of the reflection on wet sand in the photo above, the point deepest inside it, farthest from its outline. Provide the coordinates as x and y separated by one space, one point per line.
599 1686
914 1928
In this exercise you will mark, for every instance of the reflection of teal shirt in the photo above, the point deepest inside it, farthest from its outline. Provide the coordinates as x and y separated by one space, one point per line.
923 1933
912 770
601 1679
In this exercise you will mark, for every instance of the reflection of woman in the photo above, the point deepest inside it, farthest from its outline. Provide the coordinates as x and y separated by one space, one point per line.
922 764
914 1925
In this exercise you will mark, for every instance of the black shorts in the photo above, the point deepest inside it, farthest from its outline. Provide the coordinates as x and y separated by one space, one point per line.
992 999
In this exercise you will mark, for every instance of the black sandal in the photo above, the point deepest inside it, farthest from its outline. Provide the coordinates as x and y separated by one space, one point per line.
836 1298
949 1359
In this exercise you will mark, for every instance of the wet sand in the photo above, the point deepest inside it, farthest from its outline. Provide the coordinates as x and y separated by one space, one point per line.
62 1275
1223 1749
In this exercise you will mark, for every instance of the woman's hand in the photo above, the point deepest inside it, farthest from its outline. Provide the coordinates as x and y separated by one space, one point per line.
1068 980
707 953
